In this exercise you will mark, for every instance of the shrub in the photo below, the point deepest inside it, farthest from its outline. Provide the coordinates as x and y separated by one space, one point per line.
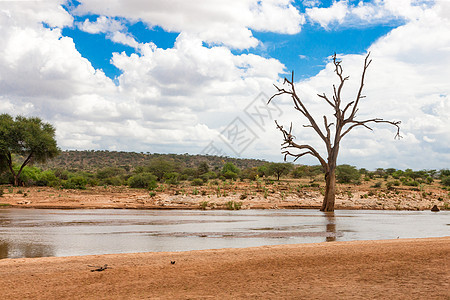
197 182
203 205
230 167
48 178
249 173
377 184
411 183
233 205
29 175
115 181
143 180
159 167
76 182
204 177
444 173
230 175
171 178
445 181
109 172
347 174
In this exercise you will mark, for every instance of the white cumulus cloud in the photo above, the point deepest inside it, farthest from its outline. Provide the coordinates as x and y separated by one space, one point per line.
222 22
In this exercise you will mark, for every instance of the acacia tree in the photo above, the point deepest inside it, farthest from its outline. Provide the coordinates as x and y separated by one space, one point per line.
344 120
27 137
280 169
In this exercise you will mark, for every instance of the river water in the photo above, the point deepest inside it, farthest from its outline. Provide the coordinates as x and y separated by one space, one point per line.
39 233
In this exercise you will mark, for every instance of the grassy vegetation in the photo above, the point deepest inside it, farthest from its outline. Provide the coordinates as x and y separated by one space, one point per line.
205 176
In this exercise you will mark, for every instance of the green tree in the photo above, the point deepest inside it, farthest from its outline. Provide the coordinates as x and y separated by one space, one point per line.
143 180
444 172
263 170
445 180
279 169
229 166
203 168
159 167
230 171
347 174
27 137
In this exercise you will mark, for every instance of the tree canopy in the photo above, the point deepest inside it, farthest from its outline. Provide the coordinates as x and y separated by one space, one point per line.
30 138
279 169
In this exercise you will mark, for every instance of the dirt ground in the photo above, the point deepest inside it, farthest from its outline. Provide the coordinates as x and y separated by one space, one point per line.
393 269
283 194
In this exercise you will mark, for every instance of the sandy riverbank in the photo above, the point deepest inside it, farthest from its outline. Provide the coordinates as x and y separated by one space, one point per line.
284 195
394 269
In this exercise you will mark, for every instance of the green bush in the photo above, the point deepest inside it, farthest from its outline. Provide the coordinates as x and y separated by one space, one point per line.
61 174
158 167
444 173
445 181
114 181
197 182
109 172
230 175
143 180
203 205
230 168
76 182
29 175
233 205
249 173
347 174
48 178
171 178
377 184
411 183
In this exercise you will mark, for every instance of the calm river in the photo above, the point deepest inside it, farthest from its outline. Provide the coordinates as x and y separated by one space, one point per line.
37 233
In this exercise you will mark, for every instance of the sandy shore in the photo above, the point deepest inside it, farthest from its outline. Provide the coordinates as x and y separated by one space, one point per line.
348 197
394 269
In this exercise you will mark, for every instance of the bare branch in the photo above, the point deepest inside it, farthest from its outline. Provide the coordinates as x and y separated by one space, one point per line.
326 99
359 96
346 107
298 104
289 143
376 120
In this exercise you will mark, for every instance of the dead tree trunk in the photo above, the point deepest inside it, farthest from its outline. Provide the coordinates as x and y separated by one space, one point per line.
344 122
330 191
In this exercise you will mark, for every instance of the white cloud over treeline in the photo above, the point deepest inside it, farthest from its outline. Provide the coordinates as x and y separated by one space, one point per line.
180 98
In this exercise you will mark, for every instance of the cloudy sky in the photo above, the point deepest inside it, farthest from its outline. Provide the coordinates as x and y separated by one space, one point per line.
178 76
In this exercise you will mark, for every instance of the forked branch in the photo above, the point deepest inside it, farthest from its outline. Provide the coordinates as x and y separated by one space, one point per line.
288 139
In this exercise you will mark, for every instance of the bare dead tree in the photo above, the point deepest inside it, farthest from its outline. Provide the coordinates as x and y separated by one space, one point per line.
344 122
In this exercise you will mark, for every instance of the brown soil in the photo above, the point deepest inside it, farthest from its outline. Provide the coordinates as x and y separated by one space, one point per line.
394 269
283 194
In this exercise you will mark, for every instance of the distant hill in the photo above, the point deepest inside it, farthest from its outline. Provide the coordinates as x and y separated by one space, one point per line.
94 160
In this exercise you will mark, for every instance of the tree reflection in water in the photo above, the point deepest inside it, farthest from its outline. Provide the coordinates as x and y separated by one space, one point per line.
331 227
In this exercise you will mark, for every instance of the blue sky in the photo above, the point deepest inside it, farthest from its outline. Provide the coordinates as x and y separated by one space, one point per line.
306 52
179 77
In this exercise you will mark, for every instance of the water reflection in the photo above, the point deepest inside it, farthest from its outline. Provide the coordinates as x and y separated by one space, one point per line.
35 233
17 250
331 227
